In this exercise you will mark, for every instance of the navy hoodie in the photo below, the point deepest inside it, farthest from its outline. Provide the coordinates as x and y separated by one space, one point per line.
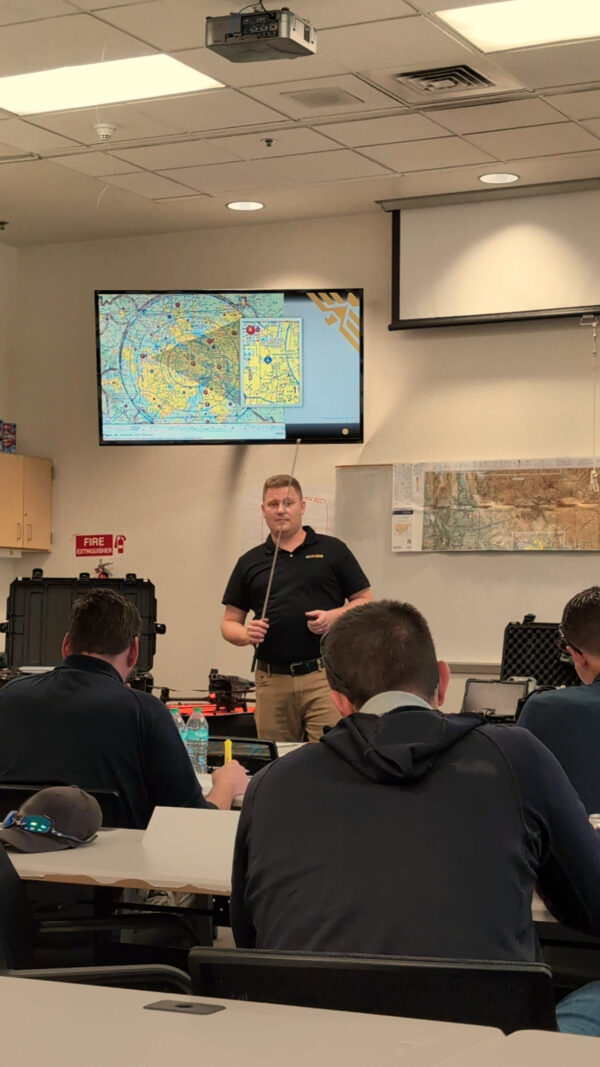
413 833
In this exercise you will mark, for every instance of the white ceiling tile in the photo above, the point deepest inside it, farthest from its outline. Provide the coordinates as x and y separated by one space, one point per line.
322 167
348 12
502 116
554 139
274 173
142 183
578 105
179 154
177 24
427 155
445 5
25 10
130 121
392 42
559 64
226 177
8 151
279 96
285 143
217 109
383 131
31 138
593 125
243 74
96 164
59 42
100 5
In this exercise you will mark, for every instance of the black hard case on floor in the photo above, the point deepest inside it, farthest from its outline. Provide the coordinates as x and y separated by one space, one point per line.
530 651
38 611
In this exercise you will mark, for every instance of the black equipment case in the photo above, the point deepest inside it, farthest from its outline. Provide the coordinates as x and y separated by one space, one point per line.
530 650
38 611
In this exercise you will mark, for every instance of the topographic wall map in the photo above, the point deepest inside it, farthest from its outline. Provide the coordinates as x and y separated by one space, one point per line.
500 506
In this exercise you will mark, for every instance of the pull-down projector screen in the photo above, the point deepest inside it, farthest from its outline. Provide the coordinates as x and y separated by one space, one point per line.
526 257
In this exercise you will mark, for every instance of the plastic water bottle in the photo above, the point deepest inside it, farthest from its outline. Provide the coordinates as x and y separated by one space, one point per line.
179 722
196 741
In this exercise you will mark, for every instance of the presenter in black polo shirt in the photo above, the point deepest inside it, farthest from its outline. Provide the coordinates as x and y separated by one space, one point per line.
316 579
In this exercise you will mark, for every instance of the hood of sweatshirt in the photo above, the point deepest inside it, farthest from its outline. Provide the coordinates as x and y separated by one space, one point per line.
400 746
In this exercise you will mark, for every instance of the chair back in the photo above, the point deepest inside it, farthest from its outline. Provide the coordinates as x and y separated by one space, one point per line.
253 755
510 996
14 794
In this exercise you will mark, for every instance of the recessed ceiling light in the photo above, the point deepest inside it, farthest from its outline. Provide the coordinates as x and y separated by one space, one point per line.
523 23
115 81
245 205
498 179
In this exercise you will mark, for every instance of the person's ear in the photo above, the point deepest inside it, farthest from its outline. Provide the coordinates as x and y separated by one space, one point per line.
442 686
65 648
132 653
303 506
585 671
342 703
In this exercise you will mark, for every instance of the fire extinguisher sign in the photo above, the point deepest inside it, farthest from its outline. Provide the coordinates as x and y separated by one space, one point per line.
100 544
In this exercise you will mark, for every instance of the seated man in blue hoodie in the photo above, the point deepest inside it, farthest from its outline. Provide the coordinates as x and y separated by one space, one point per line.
405 831
568 720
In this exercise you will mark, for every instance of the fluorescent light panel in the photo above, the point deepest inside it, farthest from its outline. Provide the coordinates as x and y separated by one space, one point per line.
523 23
113 82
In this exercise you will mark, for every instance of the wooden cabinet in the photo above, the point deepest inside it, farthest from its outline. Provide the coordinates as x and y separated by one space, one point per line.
25 502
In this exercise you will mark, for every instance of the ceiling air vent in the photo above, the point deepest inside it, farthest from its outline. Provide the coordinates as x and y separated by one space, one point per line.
444 80
324 97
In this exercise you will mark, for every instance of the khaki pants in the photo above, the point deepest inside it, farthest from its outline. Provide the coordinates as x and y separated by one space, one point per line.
287 706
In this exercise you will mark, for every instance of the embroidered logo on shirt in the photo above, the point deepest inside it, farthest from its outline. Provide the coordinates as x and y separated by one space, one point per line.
315 555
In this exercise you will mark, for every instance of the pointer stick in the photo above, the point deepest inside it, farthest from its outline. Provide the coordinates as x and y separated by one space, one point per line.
275 554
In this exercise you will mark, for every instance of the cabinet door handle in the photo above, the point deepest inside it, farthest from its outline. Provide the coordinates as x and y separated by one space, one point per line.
19 532
30 531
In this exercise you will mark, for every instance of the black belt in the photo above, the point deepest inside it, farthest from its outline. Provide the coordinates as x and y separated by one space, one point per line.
306 667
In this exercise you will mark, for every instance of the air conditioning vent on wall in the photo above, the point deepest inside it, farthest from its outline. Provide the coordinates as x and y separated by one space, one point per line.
444 80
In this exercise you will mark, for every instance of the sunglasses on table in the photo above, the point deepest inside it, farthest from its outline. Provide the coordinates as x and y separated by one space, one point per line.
41 824
563 644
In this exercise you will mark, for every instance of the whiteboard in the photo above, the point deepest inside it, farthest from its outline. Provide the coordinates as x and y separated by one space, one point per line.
500 256
467 598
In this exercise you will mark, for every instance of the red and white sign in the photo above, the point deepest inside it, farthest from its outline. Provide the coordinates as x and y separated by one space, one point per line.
99 544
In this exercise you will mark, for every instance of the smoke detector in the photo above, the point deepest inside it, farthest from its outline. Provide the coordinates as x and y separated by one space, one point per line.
105 130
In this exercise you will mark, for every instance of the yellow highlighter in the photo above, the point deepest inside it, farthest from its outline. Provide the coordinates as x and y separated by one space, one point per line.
228 751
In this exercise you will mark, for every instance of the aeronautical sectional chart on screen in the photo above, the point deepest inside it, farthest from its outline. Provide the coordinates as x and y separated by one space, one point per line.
225 366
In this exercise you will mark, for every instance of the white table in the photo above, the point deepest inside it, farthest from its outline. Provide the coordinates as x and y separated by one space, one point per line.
54 1023
199 861
531 1048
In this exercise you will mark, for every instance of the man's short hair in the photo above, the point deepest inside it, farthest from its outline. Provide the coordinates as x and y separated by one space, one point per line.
581 620
103 622
381 646
281 481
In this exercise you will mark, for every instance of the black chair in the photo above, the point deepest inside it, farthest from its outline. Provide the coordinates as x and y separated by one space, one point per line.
511 996
13 794
253 755
157 977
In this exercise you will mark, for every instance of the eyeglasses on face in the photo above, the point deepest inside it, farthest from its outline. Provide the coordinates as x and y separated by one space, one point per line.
41 824
564 644
339 683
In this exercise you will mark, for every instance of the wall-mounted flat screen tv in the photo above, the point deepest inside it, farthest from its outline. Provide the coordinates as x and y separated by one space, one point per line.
208 367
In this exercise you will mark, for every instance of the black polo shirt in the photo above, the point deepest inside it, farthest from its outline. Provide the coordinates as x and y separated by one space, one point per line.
80 724
319 574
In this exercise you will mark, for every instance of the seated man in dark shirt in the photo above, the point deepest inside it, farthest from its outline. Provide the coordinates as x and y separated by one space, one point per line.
568 720
80 724
405 831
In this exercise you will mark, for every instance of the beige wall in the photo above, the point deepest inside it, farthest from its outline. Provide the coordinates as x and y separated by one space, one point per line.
9 260
447 394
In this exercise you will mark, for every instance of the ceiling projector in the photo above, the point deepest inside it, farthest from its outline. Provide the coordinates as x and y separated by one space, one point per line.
260 35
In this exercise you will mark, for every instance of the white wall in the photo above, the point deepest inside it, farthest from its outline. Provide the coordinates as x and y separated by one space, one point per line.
8 293
429 395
